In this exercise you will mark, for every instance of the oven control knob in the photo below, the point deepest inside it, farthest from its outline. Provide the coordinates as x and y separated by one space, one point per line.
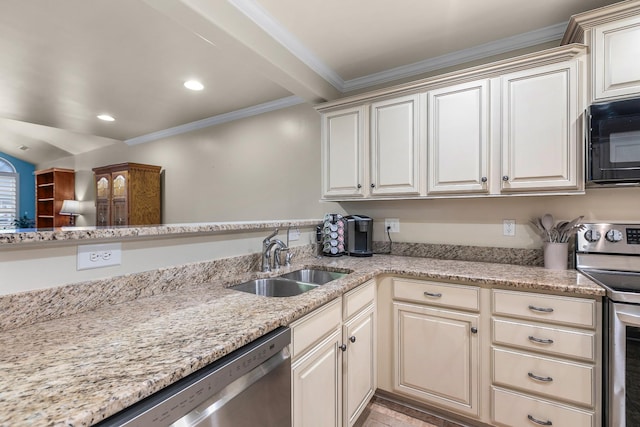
592 235
614 235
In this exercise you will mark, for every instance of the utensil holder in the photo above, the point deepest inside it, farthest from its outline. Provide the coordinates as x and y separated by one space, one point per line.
556 255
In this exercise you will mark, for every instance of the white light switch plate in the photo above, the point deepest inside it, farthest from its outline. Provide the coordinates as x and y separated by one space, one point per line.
97 256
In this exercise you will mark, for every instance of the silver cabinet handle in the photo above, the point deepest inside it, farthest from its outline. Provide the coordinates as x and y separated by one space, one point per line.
483 179
373 185
343 347
541 309
540 340
538 378
505 178
474 330
359 185
352 338
432 294
537 421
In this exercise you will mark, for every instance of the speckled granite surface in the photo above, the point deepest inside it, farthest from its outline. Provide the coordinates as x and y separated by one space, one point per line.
516 256
79 369
24 236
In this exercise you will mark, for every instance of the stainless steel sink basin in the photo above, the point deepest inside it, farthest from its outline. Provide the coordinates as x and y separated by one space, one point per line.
317 277
274 287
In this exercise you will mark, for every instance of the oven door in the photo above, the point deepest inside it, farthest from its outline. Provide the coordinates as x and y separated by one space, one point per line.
614 142
623 383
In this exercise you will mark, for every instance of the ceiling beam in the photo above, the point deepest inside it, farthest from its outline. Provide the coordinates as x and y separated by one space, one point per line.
224 26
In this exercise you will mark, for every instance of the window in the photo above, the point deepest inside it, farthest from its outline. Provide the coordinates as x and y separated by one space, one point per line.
8 194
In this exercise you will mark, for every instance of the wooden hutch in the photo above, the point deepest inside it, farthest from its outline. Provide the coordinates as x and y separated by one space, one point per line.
53 186
127 194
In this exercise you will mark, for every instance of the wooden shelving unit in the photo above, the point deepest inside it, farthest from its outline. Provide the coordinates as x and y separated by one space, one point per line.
53 186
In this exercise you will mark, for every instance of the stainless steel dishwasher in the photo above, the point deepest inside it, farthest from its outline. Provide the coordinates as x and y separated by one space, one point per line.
249 387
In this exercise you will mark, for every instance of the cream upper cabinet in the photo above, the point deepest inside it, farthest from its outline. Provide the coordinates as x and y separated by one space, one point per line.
540 144
343 153
395 146
458 138
616 59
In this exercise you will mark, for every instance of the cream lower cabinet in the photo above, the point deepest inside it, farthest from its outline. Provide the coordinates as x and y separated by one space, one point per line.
545 360
334 361
436 344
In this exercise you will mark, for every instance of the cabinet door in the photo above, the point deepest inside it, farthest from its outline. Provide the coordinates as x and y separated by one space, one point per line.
343 153
395 147
358 361
436 357
120 198
616 50
316 385
539 129
458 124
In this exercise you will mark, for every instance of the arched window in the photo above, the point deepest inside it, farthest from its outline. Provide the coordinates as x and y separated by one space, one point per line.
8 194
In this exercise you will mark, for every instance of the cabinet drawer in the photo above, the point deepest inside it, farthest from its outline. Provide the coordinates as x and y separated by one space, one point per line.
513 410
315 326
358 298
553 378
545 308
550 340
437 293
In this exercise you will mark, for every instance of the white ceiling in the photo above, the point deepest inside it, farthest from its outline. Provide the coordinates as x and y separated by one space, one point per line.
63 62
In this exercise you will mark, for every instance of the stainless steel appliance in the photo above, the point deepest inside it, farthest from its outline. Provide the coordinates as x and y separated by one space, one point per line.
247 388
359 235
613 130
610 255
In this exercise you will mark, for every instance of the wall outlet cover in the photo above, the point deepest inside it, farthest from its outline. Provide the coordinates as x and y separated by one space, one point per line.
97 256
392 224
509 227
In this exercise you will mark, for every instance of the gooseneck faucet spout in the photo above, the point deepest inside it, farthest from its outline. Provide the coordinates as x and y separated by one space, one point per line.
267 245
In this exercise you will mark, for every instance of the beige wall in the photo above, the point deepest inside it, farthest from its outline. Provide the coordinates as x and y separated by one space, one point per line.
259 168
478 221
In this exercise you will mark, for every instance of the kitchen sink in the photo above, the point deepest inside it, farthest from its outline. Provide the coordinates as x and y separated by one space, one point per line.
288 284
274 287
317 277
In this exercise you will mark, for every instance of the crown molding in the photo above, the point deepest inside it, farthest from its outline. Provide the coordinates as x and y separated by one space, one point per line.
262 18
219 119
520 41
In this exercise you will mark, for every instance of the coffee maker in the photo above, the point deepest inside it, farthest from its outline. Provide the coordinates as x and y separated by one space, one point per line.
359 235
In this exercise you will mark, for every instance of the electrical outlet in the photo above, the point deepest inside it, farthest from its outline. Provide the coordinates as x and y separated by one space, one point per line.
508 227
392 224
294 234
97 256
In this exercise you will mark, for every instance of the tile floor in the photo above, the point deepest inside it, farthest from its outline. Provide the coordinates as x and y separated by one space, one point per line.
384 413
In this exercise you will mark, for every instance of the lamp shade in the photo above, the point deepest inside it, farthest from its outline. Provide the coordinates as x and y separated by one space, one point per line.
70 207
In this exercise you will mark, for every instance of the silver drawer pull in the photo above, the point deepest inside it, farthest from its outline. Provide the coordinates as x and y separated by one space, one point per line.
432 294
542 309
537 421
540 340
537 378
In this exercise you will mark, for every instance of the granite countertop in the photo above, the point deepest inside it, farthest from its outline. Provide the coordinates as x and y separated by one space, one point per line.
80 369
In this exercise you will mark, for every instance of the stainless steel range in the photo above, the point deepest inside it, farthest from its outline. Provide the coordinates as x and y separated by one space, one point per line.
610 255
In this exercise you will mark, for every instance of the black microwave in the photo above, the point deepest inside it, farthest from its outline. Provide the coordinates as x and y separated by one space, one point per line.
613 132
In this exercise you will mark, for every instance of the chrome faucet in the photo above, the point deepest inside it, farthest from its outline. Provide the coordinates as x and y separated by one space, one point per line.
267 245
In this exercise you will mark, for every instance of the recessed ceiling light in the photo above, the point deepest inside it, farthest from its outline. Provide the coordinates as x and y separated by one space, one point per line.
106 117
193 85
